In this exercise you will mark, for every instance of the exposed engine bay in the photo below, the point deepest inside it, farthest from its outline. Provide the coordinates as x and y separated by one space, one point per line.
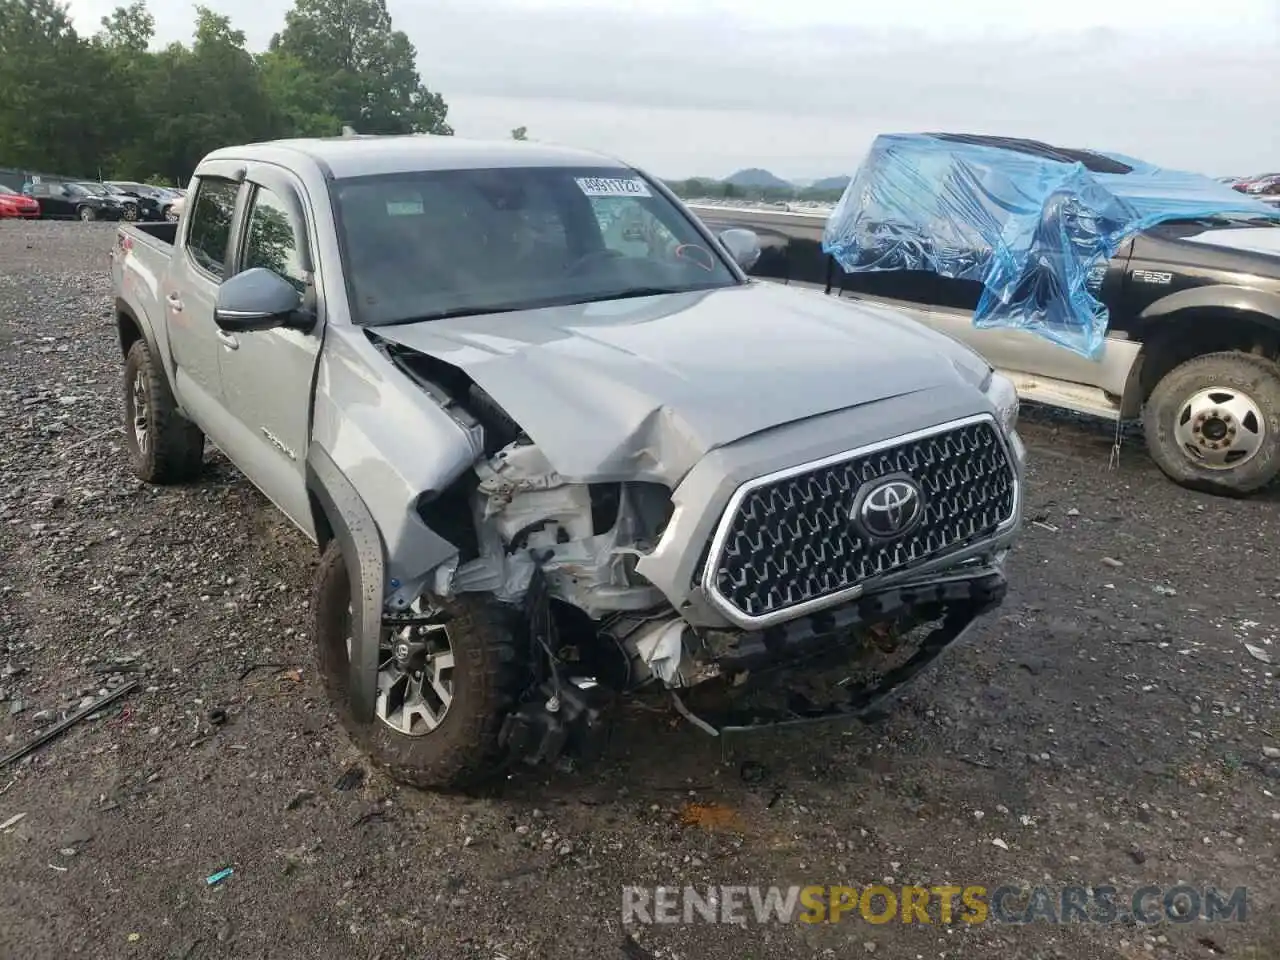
565 554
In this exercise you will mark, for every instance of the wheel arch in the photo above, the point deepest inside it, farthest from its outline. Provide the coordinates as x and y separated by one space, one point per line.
341 515
1182 327
129 329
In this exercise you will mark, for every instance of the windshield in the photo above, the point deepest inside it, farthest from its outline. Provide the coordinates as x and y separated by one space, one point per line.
94 188
426 245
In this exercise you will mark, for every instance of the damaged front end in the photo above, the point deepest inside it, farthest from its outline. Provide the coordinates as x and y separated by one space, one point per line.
747 583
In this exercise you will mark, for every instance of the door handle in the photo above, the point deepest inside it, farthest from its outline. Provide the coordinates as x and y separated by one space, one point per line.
228 341
175 302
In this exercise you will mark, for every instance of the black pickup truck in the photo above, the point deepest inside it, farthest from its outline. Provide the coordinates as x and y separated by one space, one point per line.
1192 348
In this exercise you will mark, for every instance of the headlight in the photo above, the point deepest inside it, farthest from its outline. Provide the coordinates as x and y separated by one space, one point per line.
1004 397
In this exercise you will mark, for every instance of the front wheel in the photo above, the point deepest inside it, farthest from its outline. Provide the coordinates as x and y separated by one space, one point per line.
1213 423
87 214
443 689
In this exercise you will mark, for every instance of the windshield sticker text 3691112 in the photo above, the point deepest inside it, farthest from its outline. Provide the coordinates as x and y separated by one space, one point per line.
612 187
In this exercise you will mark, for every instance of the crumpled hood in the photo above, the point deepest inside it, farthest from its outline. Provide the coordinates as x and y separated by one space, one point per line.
641 389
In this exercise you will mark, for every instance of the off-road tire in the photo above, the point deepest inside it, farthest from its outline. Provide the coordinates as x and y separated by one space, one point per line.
1254 375
175 448
87 214
463 752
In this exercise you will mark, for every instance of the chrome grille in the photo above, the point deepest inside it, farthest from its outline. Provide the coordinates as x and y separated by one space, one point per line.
791 540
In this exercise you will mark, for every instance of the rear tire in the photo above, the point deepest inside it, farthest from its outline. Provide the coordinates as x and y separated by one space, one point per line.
164 446
462 751
87 214
1213 423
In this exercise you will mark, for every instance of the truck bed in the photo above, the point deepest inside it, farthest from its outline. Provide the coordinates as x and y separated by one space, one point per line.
165 232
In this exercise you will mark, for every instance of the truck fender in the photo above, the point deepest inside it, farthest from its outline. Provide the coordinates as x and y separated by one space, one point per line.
130 328
1260 304
357 534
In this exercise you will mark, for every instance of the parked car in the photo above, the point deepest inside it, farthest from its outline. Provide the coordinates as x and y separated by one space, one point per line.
174 212
138 206
161 198
14 205
543 469
1268 186
1260 183
73 200
1193 335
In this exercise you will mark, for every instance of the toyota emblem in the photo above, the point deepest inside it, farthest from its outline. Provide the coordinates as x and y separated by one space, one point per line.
891 509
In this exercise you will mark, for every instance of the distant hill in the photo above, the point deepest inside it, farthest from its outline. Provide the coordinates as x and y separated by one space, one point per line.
760 185
830 183
755 177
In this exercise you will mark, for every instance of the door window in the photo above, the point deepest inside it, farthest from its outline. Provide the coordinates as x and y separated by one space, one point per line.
209 234
272 242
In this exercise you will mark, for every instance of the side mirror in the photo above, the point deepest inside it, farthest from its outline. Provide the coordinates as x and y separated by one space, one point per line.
743 245
258 299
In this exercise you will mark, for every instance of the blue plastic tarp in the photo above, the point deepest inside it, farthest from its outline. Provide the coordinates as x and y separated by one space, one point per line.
1035 227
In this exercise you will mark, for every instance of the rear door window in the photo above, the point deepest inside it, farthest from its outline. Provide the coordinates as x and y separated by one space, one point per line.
209 233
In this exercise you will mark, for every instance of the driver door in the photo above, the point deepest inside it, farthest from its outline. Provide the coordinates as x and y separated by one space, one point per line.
267 375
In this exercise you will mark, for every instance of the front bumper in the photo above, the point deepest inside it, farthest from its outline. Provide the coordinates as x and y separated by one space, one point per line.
953 607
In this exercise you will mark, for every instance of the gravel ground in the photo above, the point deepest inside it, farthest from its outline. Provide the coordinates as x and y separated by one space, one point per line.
1107 726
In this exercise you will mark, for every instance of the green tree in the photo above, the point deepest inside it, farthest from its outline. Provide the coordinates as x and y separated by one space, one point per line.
57 101
520 133
365 72
128 30
115 106
299 99
125 39
207 96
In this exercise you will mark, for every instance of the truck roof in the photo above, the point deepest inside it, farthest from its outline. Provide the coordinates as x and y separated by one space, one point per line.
358 156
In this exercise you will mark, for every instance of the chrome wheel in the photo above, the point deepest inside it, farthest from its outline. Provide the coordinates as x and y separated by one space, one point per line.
415 677
1220 428
141 411
130 212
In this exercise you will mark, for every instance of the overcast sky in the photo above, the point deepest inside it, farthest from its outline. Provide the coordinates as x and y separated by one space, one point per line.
800 87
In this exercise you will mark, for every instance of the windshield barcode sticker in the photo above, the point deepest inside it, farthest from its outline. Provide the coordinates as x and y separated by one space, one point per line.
609 187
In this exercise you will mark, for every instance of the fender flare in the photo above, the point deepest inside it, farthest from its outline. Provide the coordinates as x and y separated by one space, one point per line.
123 310
1228 298
361 544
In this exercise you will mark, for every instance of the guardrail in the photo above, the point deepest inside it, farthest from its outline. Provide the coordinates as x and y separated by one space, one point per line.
790 243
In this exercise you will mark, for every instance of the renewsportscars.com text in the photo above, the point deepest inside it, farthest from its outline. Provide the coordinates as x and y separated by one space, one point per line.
942 904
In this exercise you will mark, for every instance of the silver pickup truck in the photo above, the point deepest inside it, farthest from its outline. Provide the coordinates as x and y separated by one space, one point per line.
555 446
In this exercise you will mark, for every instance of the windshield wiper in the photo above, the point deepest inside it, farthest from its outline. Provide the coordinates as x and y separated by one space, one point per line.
638 292
449 313
563 300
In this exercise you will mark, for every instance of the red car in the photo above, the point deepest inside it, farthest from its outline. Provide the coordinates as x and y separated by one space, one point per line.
17 205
